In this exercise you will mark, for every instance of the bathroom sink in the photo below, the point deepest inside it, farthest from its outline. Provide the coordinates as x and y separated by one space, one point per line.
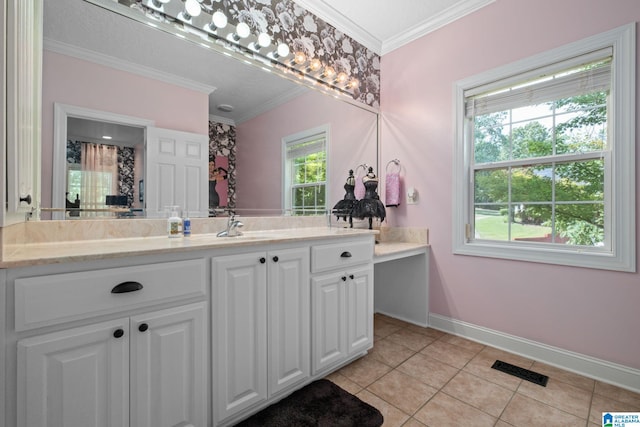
246 235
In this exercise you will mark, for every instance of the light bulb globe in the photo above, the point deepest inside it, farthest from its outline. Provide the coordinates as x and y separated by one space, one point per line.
243 30
219 19
192 7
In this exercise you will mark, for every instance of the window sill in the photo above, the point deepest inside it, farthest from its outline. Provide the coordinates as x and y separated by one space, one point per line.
567 256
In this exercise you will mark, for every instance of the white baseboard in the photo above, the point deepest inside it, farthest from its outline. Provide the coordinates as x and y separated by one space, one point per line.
401 317
602 370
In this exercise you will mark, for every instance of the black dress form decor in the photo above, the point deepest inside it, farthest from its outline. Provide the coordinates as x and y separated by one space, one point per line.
345 207
370 206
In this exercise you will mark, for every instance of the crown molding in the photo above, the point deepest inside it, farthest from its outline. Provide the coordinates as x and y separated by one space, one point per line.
447 16
342 23
220 119
119 64
382 47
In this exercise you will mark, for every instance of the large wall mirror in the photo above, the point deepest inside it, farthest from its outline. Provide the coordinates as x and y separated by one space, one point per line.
103 70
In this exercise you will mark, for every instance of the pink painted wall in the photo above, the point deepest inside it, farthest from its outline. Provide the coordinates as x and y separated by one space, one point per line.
72 81
353 141
588 311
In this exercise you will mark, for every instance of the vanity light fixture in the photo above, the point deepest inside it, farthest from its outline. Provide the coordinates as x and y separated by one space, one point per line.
258 46
191 9
107 137
218 20
242 32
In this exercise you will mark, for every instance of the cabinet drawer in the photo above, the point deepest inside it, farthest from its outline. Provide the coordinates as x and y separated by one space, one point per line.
52 299
338 255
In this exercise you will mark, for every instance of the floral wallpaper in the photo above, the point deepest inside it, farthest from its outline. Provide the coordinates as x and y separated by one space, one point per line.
222 142
285 21
126 164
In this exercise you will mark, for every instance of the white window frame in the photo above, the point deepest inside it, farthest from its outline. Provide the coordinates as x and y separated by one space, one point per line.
621 133
298 138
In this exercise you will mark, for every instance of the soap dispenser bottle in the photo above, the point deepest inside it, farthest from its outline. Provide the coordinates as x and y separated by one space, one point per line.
186 225
174 223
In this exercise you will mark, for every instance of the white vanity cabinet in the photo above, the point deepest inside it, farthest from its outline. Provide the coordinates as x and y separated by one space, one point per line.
260 325
341 301
83 376
143 364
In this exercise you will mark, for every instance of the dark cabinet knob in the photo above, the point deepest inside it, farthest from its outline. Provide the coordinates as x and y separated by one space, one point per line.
263 260
351 276
344 278
118 333
275 259
143 327
26 199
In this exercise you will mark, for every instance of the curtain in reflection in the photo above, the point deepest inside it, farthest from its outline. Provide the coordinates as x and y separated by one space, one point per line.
99 176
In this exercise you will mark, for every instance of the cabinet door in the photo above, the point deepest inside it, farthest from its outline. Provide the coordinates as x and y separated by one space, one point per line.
75 378
328 328
168 370
239 326
359 305
289 311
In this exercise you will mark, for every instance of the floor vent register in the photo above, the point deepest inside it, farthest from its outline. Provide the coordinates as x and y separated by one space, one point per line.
519 372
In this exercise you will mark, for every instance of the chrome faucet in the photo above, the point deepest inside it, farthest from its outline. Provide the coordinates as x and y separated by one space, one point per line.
232 227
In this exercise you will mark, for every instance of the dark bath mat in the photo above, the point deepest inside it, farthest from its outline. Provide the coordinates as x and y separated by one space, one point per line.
319 404
519 372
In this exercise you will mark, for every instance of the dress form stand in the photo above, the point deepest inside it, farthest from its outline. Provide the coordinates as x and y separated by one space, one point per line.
345 207
370 206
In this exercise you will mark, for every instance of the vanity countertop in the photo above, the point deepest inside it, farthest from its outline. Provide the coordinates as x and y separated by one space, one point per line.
386 251
31 254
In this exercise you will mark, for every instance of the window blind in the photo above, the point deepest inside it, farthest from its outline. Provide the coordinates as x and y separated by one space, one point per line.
302 148
580 80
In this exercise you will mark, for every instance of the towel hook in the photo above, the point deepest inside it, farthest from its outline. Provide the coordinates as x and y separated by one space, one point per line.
364 166
395 162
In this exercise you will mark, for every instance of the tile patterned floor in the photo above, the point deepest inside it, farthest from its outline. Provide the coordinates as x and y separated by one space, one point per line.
422 377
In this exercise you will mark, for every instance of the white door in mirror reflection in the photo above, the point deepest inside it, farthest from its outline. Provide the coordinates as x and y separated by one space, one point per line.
178 171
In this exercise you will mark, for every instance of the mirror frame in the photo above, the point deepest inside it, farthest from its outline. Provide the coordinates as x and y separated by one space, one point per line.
61 112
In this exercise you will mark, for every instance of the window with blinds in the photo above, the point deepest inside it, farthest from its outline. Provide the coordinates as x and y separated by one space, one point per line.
543 158
306 173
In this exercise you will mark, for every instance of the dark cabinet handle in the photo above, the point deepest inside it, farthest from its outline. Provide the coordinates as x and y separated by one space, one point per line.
345 254
275 259
344 278
26 199
125 287
351 276
118 333
143 327
263 260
